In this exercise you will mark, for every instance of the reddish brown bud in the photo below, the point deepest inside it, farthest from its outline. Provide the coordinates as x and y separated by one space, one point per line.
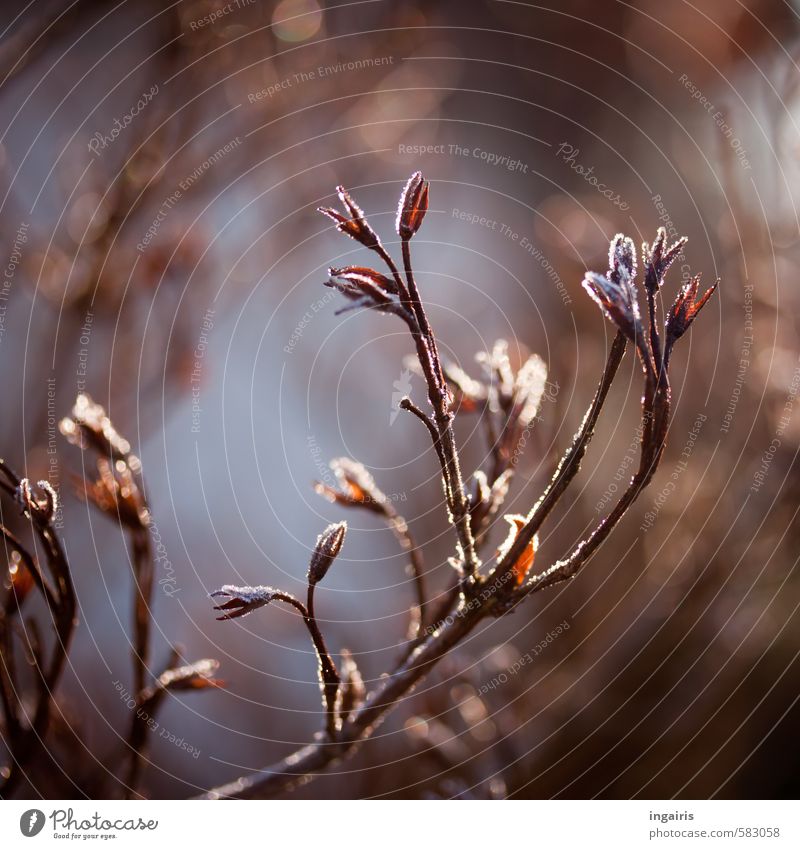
243 600
355 223
617 301
685 309
360 276
622 260
329 543
413 206
657 258
357 487
366 288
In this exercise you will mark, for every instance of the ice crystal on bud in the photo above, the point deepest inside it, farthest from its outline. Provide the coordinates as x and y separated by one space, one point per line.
329 544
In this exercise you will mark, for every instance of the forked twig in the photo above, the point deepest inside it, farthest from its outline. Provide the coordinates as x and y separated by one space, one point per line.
27 727
118 492
512 403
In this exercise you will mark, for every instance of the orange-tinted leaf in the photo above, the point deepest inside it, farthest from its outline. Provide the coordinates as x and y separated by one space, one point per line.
524 563
21 582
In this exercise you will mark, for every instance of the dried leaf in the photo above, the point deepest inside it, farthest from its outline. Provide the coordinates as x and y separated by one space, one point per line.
357 487
21 583
524 563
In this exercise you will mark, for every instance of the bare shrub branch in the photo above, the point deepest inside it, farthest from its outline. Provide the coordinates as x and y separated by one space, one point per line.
510 403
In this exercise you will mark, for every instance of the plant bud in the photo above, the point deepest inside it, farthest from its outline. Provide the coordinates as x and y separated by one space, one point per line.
685 309
356 225
329 543
413 206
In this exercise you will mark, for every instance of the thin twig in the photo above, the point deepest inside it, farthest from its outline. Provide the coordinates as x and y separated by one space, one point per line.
570 463
327 669
477 598
59 597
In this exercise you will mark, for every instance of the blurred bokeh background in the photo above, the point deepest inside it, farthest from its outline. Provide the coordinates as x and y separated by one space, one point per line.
160 166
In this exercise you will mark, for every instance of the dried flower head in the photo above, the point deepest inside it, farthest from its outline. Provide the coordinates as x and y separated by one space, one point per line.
685 309
412 206
329 544
615 292
468 394
618 302
357 487
115 492
355 223
528 391
657 259
485 500
622 260
243 600
366 288
497 366
90 426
